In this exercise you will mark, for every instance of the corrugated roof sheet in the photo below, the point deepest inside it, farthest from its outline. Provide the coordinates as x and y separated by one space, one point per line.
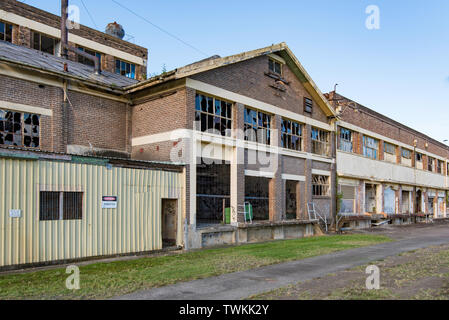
48 62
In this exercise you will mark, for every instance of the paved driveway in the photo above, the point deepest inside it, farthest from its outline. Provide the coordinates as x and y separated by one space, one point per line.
241 285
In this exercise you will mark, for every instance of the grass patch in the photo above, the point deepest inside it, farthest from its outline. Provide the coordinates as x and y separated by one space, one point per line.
105 280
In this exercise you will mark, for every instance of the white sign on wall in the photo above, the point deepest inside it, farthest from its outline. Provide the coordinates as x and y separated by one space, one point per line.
109 202
15 213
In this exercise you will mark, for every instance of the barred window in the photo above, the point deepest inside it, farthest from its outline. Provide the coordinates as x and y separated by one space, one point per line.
389 148
213 115
257 126
346 143
60 206
370 147
291 135
19 129
320 185
320 142
5 32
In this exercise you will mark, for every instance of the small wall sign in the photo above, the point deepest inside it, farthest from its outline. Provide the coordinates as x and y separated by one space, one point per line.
109 202
15 213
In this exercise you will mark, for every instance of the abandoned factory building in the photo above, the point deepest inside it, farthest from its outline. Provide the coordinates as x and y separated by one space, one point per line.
97 160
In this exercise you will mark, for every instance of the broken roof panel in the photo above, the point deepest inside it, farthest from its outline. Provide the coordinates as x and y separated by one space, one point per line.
40 60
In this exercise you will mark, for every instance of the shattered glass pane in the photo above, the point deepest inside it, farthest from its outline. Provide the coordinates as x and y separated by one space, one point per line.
17 117
27 141
2 115
35 132
27 129
210 105
2 126
9 126
217 107
203 104
17 140
35 119
27 118
17 128
2 140
9 115
35 143
9 139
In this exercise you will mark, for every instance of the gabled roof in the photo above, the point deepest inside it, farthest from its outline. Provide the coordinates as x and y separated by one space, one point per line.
214 62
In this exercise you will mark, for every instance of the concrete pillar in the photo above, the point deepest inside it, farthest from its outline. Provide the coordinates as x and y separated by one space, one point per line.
380 198
276 185
238 165
360 198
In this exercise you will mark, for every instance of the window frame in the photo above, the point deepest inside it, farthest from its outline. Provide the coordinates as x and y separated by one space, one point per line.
323 143
387 144
86 61
7 31
344 141
274 62
370 148
23 127
122 63
61 206
430 164
55 41
289 134
308 105
409 156
249 126
320 185
199 113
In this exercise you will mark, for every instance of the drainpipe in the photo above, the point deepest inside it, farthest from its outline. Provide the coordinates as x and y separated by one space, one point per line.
65 40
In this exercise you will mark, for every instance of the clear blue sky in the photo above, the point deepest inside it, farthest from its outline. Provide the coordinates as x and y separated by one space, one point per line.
400 70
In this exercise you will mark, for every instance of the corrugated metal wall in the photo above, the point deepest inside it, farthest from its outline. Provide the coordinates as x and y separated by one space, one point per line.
134 226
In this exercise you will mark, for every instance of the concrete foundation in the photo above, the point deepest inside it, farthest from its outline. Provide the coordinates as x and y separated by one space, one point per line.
252 233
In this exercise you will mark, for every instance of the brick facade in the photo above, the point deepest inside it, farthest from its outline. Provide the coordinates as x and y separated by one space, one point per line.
23 36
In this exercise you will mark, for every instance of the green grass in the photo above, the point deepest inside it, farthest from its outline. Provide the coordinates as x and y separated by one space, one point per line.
104 280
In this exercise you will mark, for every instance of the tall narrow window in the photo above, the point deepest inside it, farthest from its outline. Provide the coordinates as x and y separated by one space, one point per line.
370 147
346 143
44 43
430 164
5 32
308 105
291 135
213 115
440 166
19 129
125 69
257 126
60 205
320 142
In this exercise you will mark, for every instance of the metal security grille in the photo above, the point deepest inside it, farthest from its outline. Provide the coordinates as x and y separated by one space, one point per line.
60 206
49 206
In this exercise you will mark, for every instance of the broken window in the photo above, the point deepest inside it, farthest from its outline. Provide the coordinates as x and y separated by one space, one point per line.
291 201
320 142
19 129
5 32
346 143
86 61
291 135
389 148
407 154
213 115
320 185
275 66
44 43
257 126
60 206
308 105
440 166
213 191
370 147
257 194
125 69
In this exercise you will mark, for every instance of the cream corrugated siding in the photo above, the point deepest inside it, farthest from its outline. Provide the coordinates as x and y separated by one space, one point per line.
134 226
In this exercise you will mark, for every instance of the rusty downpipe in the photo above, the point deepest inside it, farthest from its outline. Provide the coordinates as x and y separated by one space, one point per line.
65 40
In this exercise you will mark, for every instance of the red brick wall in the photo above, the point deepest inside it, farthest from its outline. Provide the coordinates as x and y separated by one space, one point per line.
102 122
386 127
248 78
